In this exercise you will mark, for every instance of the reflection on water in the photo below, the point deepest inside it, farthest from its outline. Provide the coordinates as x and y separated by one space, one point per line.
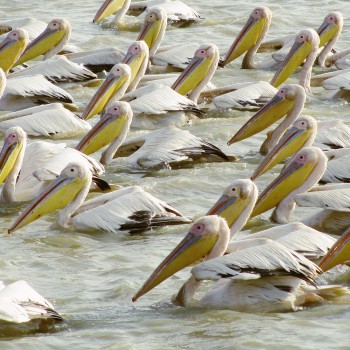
91 277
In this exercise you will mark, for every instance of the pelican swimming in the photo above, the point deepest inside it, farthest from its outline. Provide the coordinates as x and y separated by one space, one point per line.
165 147
27 169
49 42
302 173
20 303
130 208
246 280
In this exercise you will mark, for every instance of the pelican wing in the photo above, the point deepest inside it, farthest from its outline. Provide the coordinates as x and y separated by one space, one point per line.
250 97
339 81
46 120
338 166
338 199
57 70
332 134
38 87
33 26
130 209
19 303
159 99
271 259
295 236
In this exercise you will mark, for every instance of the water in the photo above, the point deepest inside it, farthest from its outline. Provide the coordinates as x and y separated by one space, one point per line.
91 277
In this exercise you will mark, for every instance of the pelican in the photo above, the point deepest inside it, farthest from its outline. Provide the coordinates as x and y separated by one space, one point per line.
20 303
265 278
130 208
33 26
302 173
289 101
27 169
165 147
111 90
301 134
52 120
12 47
249 38
116 7
49 42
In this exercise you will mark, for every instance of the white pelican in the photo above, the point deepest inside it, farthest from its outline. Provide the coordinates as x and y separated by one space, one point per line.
111 90
236 205
165 147
49 42
249 38
264 278
301 134
116 7
20 303
52 120
130 208
27 169
289 101
302 173
12 47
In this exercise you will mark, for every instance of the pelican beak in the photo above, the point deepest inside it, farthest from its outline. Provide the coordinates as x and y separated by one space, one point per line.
108 8
56 196
291 142
109 87
290 178
338 254
150 32
295 57
8 157
191 249
104 132
229 207
246 39
10 50
327 31
42 44
194 73
267 115
135 62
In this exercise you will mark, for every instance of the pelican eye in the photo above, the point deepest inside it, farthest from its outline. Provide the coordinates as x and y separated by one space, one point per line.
197 229
72 170
233 189
301 157
303 123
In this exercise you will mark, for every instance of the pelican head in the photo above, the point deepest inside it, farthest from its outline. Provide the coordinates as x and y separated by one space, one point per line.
12 47
302 172
49 42
114 87
198 72
338 254
137 59
301 134
282 103
15 141
153 29
236 204
255 28
331 27
305 43
113 123
108 8
207 238
63 190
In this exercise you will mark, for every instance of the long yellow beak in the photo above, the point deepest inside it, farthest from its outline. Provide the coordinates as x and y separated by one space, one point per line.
326 32
194 73
270 113
8 157
109 87
42 44
10 51
108 8
291 142
134 61
290 178
246 39
338 254
58 194
191 249
295 57
104 132
150 32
